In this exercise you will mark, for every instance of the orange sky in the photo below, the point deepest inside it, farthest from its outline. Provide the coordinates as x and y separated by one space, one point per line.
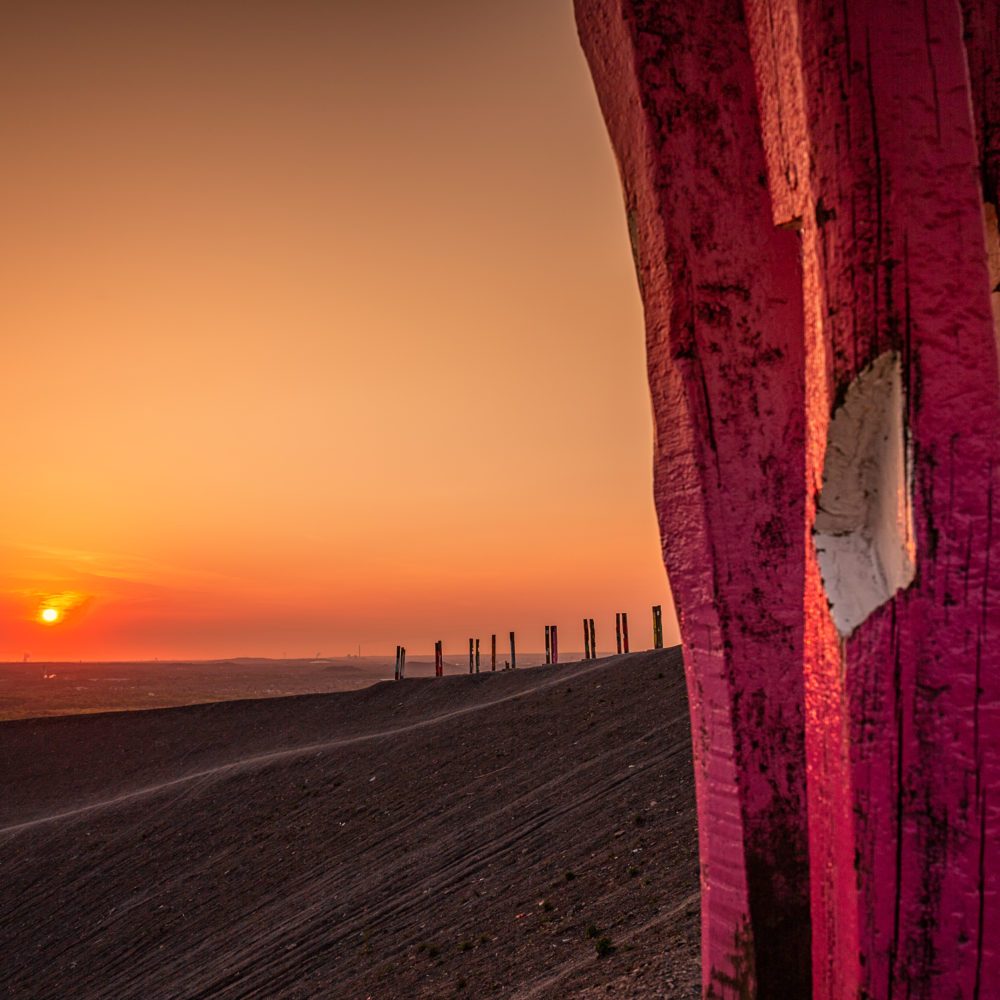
321 329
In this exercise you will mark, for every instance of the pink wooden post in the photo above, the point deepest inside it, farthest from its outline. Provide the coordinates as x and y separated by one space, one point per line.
811 195
902 697
722 294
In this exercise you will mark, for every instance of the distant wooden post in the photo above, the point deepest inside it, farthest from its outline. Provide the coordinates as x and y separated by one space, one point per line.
618 630
548 646
396 675
513 656
555 644
477 656
586 639
493 652
402 662
438 659
657 627
471 658
593 640
625 630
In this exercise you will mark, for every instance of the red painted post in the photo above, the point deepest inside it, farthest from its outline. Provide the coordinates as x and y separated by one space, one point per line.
513 656
472 660
618 631
555 644
903 746
805 198
723 301
548 646
625 631
493 653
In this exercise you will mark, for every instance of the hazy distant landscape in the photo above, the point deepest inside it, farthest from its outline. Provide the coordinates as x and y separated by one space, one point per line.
40 689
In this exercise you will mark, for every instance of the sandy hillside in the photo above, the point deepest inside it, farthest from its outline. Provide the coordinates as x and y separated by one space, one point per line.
468 836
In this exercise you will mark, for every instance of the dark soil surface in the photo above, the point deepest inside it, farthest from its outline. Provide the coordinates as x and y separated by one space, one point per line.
520 834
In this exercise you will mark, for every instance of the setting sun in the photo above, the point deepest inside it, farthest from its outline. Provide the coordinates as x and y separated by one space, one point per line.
50 615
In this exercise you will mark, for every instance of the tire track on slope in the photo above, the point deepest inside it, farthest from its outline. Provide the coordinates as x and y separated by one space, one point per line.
538 988
264 963
252 980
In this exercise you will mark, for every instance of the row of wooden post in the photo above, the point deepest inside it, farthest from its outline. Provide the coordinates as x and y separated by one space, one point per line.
474 656
551 645
621 633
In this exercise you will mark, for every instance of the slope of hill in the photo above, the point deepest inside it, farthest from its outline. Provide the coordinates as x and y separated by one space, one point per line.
479 836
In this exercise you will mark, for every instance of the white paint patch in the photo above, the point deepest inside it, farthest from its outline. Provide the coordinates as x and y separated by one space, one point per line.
864 520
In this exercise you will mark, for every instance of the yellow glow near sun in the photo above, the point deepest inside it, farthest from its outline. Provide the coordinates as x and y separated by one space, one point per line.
56 609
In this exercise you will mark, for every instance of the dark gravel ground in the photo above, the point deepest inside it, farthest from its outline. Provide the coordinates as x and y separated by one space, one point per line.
521 834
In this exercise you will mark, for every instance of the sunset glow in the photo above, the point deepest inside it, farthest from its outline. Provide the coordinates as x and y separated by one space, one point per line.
338 334
50 615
